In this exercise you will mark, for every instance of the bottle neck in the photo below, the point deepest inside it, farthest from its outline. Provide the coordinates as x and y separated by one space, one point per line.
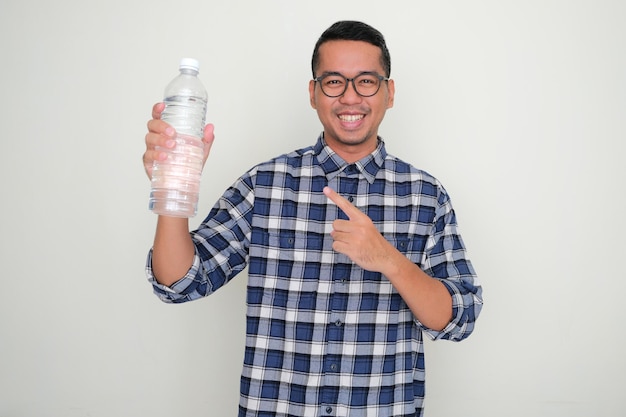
188 71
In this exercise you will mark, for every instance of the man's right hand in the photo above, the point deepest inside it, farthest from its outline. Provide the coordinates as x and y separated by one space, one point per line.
162 135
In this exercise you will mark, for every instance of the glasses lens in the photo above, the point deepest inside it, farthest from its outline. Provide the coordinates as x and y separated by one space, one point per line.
367 84
333 85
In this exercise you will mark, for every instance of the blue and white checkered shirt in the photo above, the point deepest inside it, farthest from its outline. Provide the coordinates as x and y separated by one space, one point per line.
323 336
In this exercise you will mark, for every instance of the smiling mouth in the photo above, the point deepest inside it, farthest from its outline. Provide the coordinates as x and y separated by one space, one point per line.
350 117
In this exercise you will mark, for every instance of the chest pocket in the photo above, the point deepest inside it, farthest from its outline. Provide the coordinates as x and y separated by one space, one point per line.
401 243
410 246
295 246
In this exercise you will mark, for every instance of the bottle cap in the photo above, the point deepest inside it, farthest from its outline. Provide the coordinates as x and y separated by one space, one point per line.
189 63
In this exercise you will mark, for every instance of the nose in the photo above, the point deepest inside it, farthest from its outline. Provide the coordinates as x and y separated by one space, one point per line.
350 95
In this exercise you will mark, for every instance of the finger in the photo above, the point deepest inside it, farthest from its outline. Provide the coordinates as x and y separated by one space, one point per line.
155 141
154 144
208 139
340 237
341 247
347 207
160 127
157 109
160 135
149 157
209 132
209 135
340 226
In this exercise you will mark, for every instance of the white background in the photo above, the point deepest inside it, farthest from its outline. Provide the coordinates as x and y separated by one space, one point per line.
518 107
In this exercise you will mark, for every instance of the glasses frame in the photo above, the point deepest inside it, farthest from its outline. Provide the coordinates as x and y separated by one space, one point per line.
348 80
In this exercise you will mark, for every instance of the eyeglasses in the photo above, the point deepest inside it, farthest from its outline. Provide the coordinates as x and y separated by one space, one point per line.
334 84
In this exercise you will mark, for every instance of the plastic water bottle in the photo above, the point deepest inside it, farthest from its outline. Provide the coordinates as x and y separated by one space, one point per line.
176 180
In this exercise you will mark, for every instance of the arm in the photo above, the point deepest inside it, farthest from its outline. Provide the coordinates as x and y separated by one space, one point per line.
427 297
220 248
358 238
173 250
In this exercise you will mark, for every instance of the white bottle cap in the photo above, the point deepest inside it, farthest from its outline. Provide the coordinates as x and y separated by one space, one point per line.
189 63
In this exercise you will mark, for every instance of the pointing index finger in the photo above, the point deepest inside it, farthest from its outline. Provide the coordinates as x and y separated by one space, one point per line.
341 202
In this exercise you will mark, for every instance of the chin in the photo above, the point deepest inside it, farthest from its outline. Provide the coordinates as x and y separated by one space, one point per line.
353 141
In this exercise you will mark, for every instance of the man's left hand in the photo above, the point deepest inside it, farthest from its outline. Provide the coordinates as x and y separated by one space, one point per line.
358 237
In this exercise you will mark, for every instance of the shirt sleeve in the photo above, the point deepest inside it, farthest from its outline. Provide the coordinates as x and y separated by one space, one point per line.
221 247
445 259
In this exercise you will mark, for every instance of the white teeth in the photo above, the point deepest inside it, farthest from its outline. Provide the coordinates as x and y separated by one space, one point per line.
350 117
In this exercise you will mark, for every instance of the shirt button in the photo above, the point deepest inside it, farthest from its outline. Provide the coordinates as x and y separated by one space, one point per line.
351 199
333 368
338 323
329 410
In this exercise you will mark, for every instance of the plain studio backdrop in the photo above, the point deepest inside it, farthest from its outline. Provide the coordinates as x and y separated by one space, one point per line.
518 107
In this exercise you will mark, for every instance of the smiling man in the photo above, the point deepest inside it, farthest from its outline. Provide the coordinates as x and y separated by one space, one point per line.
353 255
350 109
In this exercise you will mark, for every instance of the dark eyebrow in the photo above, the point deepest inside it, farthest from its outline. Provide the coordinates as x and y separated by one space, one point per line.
327 73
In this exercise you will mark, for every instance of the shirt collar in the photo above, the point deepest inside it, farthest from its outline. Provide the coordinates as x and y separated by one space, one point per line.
333 164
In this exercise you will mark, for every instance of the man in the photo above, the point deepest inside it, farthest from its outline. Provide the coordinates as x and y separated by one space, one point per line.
353 254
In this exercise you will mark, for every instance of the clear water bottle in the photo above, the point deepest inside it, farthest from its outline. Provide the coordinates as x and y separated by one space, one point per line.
176 180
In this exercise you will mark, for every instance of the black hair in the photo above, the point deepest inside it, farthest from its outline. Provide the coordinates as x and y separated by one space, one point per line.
350 30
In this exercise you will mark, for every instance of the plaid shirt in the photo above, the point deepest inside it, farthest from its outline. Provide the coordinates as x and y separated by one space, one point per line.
323 336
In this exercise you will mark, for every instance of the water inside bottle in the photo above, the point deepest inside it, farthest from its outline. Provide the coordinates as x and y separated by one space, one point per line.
176 181
186 113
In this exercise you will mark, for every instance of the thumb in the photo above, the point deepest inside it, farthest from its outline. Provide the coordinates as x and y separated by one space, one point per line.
208 139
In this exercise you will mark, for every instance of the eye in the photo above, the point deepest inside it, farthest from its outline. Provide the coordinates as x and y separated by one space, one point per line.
334 81
368 80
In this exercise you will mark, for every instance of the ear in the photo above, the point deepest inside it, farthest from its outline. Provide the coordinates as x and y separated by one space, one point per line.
312 94
391 93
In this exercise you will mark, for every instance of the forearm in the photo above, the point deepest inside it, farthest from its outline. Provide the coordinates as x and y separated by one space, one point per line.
427 297
173 250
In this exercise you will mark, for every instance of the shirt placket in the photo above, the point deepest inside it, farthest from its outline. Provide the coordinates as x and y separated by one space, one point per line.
334 362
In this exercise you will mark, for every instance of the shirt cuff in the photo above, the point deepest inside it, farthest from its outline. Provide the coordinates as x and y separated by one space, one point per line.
177 290
452 328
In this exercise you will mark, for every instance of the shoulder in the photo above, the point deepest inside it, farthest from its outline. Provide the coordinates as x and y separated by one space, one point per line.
285 162
406 171
420 181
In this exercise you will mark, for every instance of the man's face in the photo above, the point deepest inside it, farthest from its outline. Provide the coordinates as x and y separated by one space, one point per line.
351 121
